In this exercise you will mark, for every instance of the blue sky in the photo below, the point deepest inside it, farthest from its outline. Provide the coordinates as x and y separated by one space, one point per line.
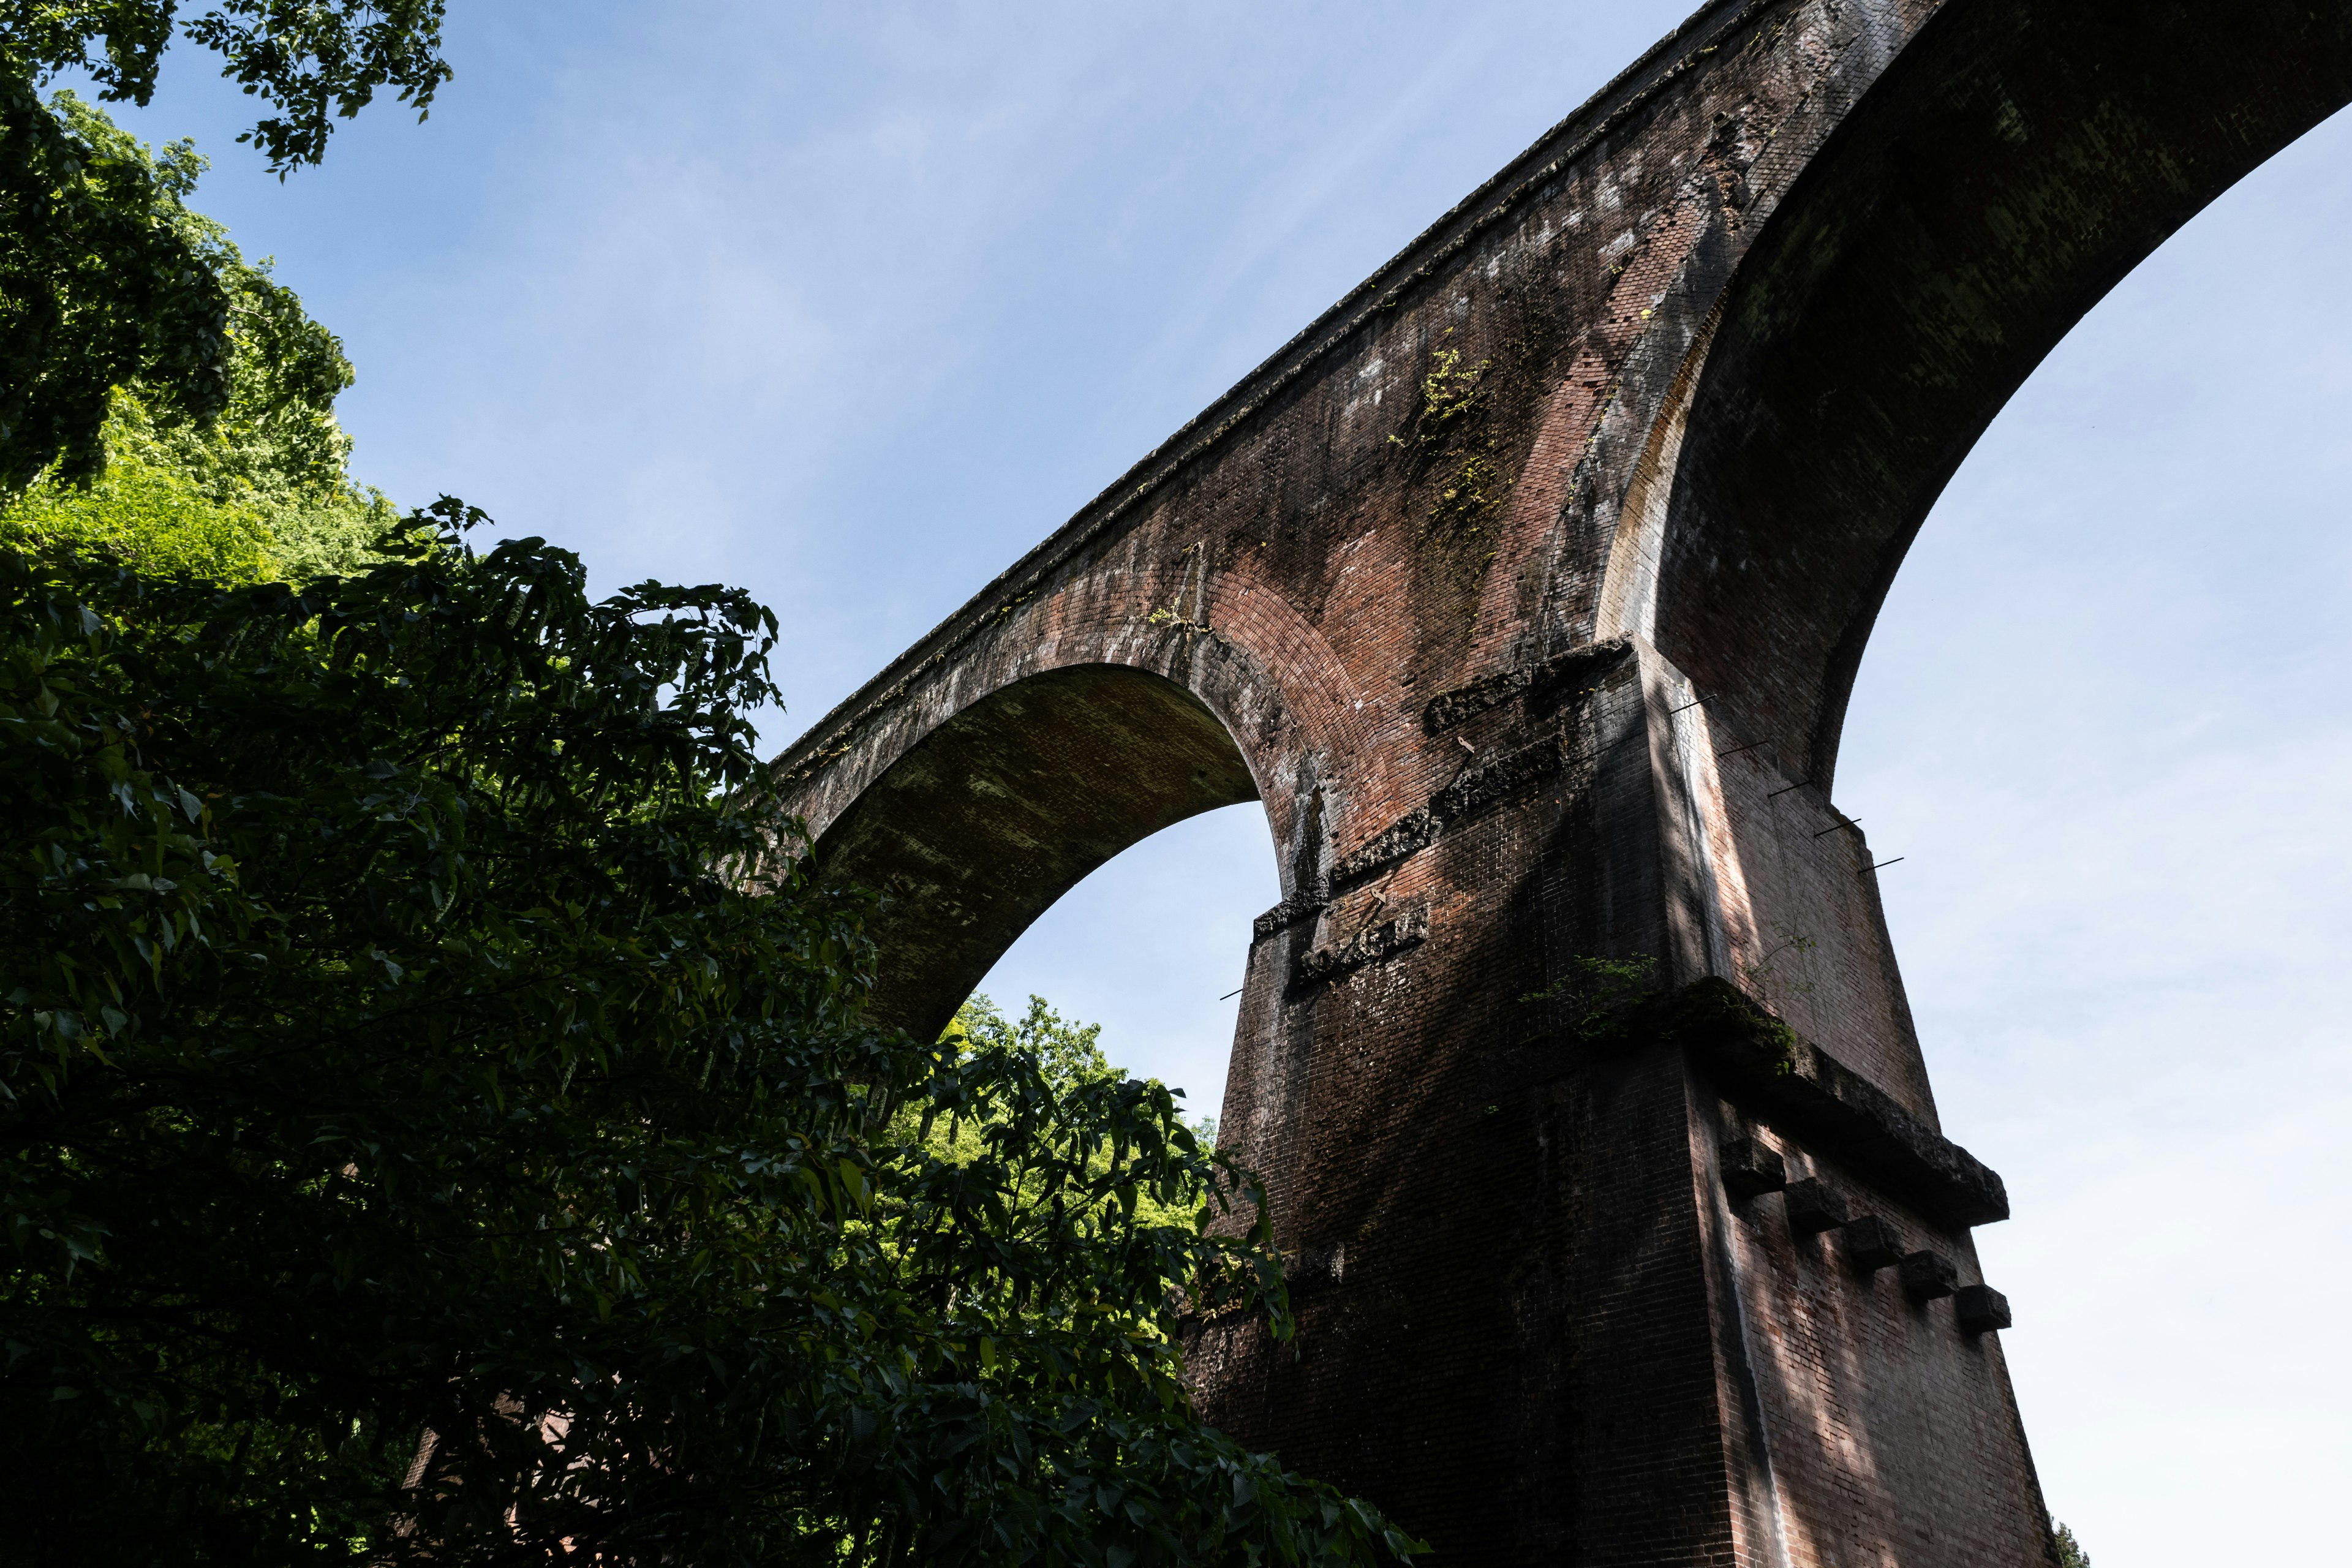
851 304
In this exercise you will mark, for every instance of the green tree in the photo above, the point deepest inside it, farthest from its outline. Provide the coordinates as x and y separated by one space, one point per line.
1069 1053
147 516
2069 1551
438 1121
261 490
102 283
1070 1057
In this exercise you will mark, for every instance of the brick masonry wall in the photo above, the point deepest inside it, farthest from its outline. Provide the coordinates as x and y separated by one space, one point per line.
1524 589
1880 1424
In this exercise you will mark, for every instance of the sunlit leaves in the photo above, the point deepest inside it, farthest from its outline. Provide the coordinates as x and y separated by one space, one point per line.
312 60
107 281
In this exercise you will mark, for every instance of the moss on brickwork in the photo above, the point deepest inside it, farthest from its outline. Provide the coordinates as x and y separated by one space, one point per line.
1452 438
1713 1012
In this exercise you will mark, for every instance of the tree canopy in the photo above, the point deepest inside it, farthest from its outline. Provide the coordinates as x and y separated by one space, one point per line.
436 1120
312 61
104 284
261 489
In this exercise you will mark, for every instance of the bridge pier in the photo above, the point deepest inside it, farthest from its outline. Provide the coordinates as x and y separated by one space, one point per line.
1549 1308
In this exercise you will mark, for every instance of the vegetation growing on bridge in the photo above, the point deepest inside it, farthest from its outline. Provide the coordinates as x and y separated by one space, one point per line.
1450 435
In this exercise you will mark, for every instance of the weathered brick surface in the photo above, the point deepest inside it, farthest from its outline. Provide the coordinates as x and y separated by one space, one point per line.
1525 589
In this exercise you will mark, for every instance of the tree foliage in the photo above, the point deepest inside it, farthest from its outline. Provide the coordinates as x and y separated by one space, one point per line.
101 286
438 1121
1070 1056
1069 1053
258 489
314 61
151 517
104 283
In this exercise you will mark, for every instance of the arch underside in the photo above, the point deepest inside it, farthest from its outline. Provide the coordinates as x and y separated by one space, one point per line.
2015 161
982 825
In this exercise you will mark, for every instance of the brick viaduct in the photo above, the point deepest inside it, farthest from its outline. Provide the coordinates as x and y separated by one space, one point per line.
1526 589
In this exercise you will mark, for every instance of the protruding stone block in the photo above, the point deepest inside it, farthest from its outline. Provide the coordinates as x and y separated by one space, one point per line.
1367 946
1928 1275
1805 1092
1873 1243
1980 1308
1750 1168
1813 1207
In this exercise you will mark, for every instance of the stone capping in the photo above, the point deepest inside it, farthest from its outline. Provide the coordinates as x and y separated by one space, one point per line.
1369 945
1288 912
1476 789
1872 1242
1408 835
1750 1169
1980 1308
1927 1276
1801 1089
1812 1206
1449 709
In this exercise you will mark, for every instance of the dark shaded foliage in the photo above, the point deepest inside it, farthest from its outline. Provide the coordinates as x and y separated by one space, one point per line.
438 1120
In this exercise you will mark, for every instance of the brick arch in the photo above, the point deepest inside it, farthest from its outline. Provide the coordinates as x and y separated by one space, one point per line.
985 788
977 828
2012 165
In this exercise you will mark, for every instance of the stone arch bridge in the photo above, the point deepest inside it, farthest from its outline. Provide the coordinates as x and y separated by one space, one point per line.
1525 588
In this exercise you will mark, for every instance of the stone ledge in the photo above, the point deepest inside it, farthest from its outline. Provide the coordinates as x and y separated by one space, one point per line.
1288 912
1408 835
1482 786
1385 940
1448 709
1476 789
1803 1090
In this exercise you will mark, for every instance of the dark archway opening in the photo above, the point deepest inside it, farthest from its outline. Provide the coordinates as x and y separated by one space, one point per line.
985 822
2102 716
1998 183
